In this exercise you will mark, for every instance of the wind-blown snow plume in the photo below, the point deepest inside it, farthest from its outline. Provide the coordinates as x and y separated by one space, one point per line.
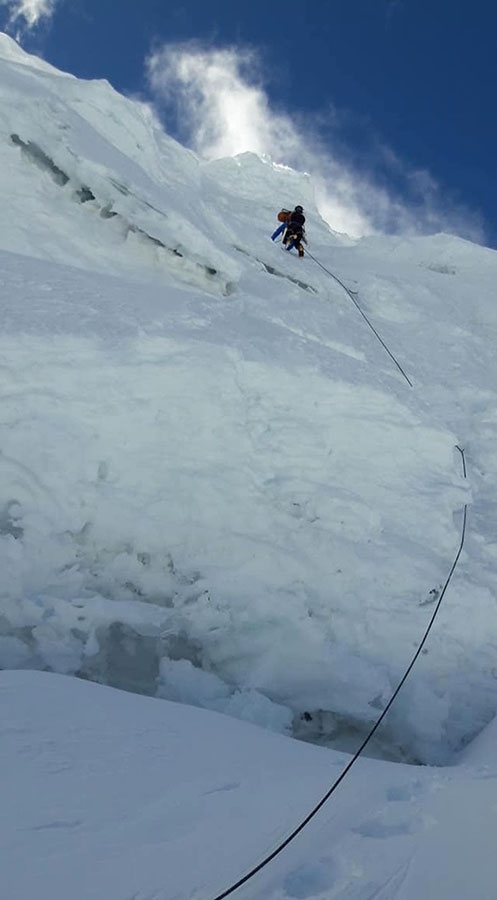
222 108
224 111
26 14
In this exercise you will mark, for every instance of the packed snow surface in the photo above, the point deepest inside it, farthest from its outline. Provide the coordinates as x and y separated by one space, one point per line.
110 796
215 486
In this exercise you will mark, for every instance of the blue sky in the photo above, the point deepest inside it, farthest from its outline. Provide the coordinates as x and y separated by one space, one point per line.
396 94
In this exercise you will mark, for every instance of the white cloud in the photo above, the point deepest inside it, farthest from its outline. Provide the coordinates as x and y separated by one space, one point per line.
26 14
221 105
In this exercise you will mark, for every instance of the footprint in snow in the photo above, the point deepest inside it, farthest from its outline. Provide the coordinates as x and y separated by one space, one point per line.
311 881
404 792
393 822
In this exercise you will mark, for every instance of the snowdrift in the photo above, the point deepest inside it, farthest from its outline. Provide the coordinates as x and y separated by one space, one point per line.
112 795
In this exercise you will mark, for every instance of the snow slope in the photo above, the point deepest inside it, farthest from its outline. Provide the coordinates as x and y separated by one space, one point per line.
215 487
110 796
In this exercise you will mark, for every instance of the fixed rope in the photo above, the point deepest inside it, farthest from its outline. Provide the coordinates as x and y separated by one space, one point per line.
373 730
363 314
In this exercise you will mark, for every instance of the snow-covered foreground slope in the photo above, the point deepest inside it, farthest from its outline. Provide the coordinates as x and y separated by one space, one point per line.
110 796
214 485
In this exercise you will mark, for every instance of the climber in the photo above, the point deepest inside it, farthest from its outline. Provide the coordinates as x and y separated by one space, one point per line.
295 232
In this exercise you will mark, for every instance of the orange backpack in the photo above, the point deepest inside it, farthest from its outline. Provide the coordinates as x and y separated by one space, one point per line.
284 215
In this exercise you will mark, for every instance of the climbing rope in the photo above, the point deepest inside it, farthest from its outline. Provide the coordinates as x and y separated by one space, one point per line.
375 727
363 314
